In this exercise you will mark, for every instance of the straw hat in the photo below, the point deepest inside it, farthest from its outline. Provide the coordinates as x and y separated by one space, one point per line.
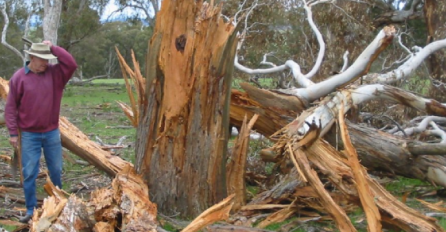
41 50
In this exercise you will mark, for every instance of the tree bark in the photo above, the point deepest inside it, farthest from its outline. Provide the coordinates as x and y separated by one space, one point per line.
436 30
183 128
51 19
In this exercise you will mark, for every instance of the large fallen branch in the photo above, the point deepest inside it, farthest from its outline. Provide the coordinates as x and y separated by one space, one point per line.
398 155
77 142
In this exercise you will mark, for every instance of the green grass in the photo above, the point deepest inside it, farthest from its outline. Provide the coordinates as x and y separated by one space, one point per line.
109 81
92 95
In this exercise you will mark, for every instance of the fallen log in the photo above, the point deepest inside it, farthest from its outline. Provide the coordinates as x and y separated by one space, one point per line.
395 157
78 143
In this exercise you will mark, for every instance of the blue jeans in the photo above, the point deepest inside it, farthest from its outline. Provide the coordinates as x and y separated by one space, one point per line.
31 145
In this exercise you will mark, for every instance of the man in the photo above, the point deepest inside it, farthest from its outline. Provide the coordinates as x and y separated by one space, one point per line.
32 109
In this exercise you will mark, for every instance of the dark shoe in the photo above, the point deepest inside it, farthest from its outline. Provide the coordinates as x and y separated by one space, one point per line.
26 218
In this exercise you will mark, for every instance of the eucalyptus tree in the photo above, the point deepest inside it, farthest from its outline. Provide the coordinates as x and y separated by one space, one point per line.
146 10
101 60
14 20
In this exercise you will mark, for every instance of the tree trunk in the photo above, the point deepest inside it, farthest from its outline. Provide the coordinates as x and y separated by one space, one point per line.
51 19
436 29
394 155
183 127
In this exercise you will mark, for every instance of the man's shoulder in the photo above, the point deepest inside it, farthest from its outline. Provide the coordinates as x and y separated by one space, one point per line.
18 73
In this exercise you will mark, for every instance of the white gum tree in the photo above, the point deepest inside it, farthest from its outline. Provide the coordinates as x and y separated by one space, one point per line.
358 84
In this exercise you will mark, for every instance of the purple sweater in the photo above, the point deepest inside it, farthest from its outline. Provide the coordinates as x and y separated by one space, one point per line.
33 103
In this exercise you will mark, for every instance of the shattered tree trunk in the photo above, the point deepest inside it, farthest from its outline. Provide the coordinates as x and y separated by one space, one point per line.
183 127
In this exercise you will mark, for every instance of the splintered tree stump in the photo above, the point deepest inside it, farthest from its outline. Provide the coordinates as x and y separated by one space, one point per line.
182 133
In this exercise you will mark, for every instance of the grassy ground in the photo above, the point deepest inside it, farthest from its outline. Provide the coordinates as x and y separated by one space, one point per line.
93 109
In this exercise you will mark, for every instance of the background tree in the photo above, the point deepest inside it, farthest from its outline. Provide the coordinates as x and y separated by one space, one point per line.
145 10
15 21
80 31
52 10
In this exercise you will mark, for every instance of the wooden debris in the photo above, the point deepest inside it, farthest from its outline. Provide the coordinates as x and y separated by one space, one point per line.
359 175
232 228
125 207
278 216
51 208
339 215
435 206
131 194
218 212
393 212
136 80
236 167
15 195
103 227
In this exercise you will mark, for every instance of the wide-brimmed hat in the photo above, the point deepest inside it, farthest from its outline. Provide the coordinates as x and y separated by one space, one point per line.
41 50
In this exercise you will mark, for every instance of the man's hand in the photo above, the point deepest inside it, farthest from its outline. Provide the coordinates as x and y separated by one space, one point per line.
47 42
14 141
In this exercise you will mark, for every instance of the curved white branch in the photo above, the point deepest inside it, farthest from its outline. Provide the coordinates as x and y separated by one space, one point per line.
265 62
379 91
345 58
293 66
360 65
297 74
4 32
422 126
438 132
407 67
403 46
320 40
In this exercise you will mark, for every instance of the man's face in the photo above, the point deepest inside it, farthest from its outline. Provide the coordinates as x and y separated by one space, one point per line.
38 64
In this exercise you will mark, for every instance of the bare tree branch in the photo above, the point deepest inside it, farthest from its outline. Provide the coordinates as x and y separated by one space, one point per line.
407 67
4 32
